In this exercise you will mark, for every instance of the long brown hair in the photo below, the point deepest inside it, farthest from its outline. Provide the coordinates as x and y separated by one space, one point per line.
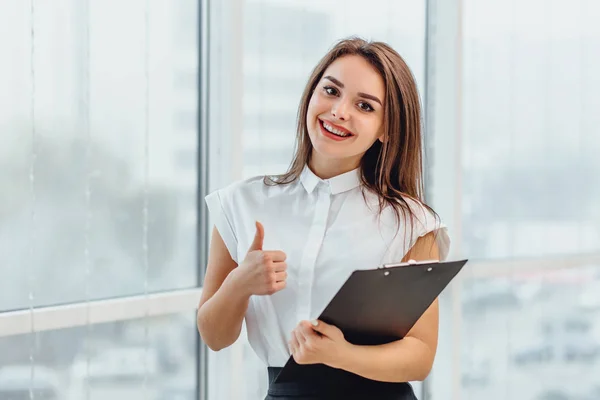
392 169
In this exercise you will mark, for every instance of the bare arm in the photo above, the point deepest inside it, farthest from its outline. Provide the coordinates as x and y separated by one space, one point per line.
228 287
411 358
222 307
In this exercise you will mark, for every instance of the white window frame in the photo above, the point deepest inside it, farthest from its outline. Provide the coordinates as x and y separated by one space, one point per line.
225 123
97 312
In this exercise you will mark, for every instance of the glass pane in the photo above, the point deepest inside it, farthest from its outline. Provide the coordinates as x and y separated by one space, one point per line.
277 66
531 128
98 155
145 359
532 336
530 190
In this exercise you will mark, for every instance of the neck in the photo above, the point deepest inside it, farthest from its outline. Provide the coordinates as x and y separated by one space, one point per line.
328 168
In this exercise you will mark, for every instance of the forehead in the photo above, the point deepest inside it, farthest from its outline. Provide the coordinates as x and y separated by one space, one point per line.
357 75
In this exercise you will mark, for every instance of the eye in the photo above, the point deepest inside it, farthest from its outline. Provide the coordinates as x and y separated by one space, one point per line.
365 106
330 90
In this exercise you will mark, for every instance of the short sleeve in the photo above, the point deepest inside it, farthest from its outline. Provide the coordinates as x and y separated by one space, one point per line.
427 222
218 206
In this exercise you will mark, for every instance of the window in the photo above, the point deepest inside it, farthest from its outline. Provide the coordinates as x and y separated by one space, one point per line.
514 166
535 135
99 242
94 178
146 358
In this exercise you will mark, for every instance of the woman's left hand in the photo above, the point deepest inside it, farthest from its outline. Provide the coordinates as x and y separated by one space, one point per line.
317 344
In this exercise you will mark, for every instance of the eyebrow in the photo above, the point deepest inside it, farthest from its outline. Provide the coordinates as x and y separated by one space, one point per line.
365 95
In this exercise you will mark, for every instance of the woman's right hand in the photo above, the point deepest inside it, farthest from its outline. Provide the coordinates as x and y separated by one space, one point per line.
263 272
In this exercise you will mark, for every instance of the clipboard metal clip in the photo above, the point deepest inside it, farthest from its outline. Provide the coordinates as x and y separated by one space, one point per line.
409 262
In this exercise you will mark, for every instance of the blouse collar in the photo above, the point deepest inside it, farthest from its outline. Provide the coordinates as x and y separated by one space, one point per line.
337 184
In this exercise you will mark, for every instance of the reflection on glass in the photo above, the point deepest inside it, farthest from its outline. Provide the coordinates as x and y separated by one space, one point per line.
530 189
91 144
532 336
152 359
531 130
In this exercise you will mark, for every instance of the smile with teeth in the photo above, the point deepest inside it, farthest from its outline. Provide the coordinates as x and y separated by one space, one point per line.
335 131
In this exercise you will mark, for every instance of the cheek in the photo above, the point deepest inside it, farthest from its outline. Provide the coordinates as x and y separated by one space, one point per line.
310 112
369 129
375 128
315 109
317 105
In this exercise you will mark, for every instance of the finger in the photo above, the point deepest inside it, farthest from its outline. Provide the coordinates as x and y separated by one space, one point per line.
299 336
276 255
323 328
279 266
280 276
293 344
277 286
259 237
305 329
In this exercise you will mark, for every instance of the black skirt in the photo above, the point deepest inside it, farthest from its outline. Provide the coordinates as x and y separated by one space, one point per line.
337 384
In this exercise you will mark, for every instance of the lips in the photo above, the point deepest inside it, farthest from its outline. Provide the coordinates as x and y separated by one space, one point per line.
334 132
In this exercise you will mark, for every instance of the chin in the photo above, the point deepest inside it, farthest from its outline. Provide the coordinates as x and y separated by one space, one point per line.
330 152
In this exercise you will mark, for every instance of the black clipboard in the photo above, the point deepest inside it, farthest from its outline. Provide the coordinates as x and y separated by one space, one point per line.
378 306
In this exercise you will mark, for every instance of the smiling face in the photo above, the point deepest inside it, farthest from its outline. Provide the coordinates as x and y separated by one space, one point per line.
345 113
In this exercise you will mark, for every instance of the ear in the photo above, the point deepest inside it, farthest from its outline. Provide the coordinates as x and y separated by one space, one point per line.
381 136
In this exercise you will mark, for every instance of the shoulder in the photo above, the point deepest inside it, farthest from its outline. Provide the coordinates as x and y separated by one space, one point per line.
426 222
421 214
228 199
231 204
416 220
242 185
240 191
248 194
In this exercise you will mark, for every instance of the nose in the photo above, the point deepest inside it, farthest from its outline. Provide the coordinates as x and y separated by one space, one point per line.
340 110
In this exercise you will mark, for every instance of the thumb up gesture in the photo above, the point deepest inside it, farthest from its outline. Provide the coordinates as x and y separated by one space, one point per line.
262 272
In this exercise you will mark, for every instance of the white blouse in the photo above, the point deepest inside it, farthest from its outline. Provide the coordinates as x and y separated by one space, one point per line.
326 229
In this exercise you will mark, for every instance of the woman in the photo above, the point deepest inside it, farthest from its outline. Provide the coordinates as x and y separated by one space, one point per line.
352 199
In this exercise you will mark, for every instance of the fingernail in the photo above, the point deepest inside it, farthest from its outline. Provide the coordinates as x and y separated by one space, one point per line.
314 322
